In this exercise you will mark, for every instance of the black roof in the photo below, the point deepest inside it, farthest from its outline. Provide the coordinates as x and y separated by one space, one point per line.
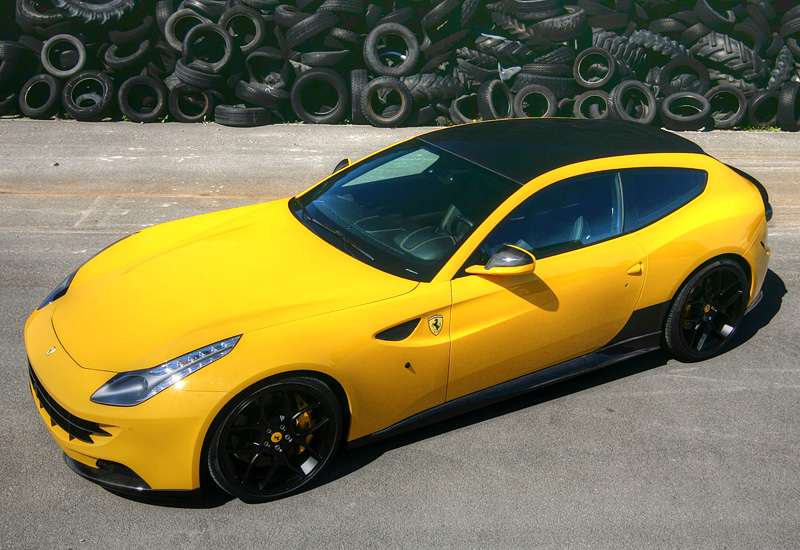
522 149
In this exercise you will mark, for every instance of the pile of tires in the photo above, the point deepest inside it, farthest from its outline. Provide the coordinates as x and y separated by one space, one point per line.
682 64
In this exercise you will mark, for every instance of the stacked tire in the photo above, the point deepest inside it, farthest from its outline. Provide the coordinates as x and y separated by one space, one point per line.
682 64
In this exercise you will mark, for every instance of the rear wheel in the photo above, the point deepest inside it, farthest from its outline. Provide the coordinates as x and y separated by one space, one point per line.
707 311
273 439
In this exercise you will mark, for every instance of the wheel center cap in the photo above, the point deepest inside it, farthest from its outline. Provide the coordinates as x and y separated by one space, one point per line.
707 308
276 437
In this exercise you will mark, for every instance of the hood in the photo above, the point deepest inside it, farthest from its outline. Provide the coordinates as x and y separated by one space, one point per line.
174 288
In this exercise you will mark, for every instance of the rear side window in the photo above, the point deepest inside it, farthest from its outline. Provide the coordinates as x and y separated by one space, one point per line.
652 193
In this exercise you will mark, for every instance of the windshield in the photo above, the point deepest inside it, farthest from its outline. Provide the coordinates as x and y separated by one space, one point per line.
404 211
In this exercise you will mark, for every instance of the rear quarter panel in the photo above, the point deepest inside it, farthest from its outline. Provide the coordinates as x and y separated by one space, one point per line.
727 218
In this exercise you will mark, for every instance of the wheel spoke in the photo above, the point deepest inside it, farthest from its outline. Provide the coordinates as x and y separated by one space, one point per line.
304 410
322 422
703 337
249 469
287 404
730 301
268 476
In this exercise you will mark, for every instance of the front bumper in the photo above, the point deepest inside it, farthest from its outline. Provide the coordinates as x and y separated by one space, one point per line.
156 445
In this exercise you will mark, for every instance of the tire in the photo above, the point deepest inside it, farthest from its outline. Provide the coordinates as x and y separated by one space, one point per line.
655 43
438 14
133 35
358 81
207 47
196 78
320 96
178 26
355 7
40 97
246 27
376 106
88 95
591 104
707 311
504 49
51 49
684 66
95 11
789 107
495 101
562 27
560 85
262 95
262 458
309 27
537 10
432 86
464 109
288 16
732 56
594 68
712 18
728 106
535 101
762 109
240 116
113 60
717 79
632 101
29 10
783 71
189 104
686 111
391 49
142 99
325 59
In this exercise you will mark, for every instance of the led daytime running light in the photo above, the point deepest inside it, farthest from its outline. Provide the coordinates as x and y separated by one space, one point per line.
131 388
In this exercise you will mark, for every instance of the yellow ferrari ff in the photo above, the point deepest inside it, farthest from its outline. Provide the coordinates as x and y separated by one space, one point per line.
454 269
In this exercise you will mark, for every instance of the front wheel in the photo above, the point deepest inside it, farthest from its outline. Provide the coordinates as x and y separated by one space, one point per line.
273 439
707 311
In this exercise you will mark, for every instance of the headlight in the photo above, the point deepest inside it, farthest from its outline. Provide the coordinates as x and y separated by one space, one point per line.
131 388
61 289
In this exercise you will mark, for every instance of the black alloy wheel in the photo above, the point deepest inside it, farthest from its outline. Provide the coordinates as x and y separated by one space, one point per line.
273 439
707 311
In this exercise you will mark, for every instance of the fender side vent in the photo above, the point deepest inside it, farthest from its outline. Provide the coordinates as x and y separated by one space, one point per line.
398 332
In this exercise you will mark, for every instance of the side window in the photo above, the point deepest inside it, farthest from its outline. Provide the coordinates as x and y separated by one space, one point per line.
652 193
562 217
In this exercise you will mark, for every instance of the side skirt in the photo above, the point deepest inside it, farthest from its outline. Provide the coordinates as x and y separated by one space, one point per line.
612 353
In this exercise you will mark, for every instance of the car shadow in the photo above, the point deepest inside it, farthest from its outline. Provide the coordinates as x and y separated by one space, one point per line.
774 290
349 461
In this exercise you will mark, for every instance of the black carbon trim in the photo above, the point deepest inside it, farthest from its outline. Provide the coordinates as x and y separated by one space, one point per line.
398 332
121 479
76 427
602 358
643 322
761 189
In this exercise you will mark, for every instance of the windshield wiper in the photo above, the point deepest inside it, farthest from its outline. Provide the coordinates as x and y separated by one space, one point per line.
347 242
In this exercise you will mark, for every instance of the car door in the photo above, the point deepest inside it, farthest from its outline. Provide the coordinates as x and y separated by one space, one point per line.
586 282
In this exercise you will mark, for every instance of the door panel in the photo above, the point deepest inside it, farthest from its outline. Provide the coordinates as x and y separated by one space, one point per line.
503 327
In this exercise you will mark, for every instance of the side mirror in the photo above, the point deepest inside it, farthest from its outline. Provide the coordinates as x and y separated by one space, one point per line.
344 163
509 260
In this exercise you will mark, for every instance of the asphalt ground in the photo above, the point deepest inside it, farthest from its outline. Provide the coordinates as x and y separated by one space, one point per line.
651 453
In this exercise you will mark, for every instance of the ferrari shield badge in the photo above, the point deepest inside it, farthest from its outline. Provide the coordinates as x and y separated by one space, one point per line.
436 323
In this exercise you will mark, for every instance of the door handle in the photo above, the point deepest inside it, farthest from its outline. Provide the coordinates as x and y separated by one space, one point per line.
635 269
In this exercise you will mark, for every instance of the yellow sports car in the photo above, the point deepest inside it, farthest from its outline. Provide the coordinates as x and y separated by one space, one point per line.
451 270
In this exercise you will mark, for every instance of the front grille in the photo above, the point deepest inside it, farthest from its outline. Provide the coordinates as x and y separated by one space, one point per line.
77 428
